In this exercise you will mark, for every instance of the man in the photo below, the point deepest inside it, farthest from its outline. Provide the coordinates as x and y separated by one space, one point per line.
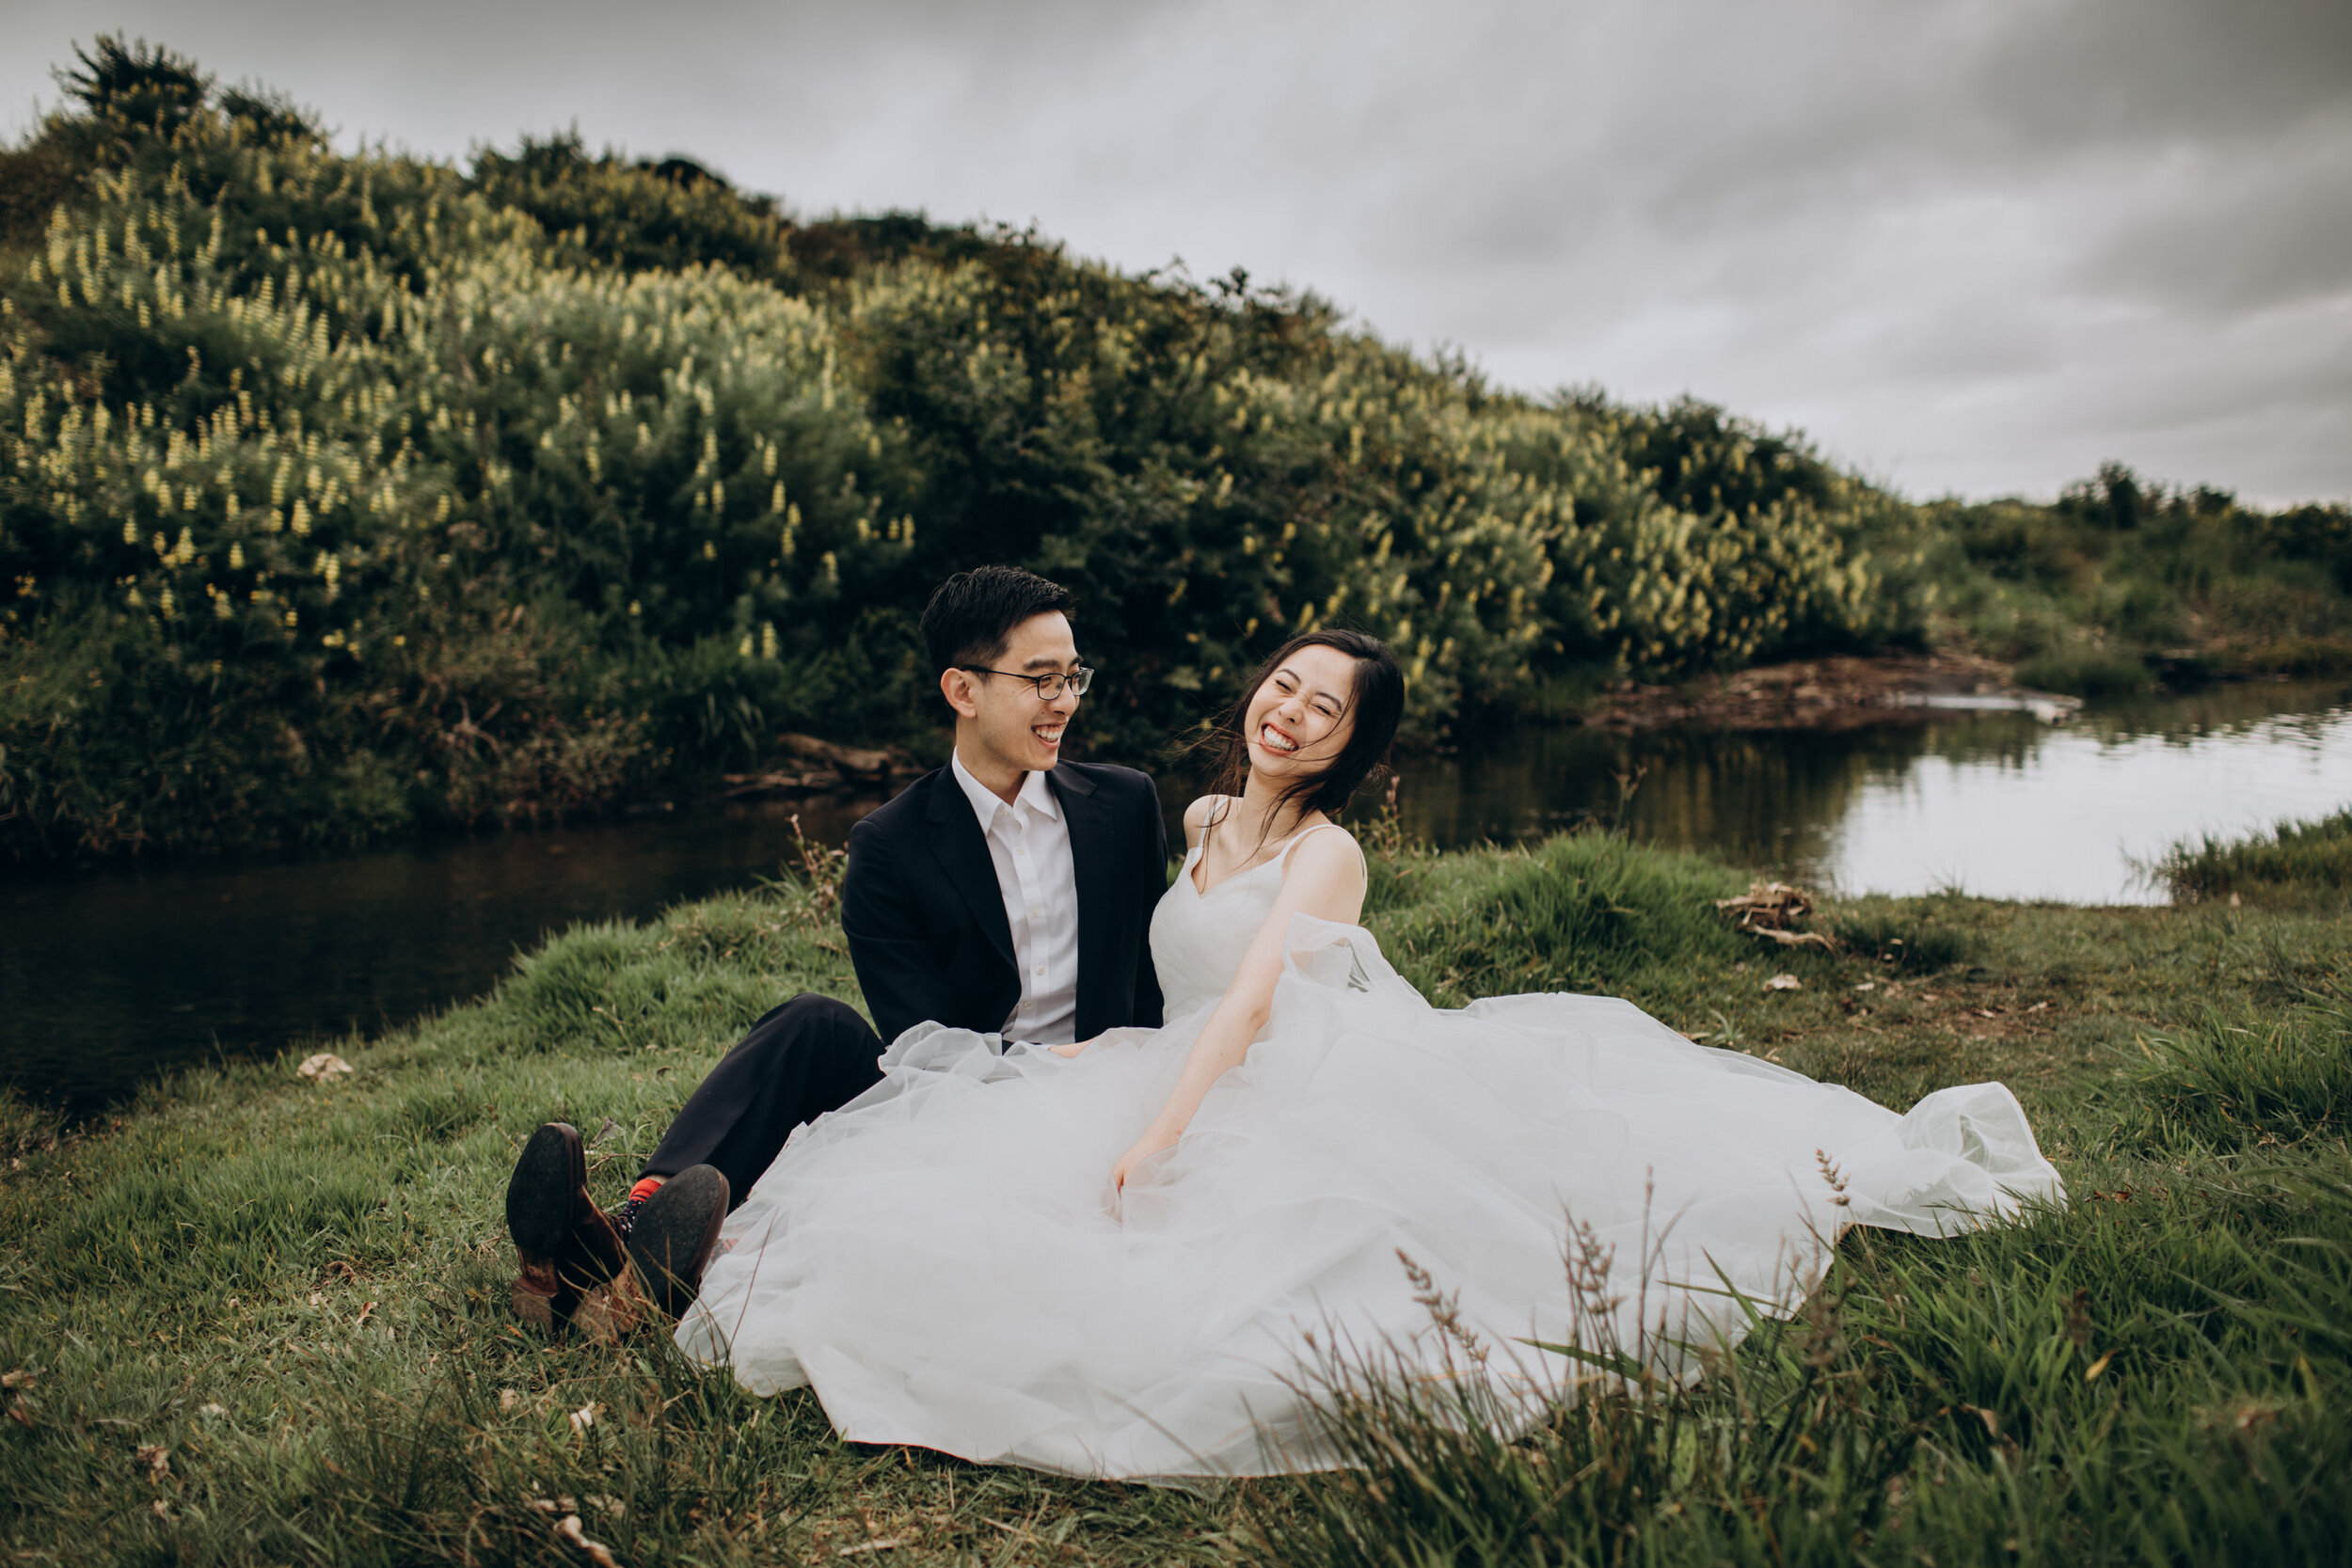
1009 893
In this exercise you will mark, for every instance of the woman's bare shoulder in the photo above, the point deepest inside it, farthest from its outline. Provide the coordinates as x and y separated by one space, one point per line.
1326 848
1200 813
1197 815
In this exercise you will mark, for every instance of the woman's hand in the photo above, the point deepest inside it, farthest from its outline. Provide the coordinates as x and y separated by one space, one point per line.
1154 1139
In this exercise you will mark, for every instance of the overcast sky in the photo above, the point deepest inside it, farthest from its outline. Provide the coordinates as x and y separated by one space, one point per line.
1971 248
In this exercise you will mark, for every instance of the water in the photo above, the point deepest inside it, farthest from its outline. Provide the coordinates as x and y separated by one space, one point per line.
1996 805
106 976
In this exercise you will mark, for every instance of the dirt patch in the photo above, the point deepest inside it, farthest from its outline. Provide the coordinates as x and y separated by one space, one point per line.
1819 694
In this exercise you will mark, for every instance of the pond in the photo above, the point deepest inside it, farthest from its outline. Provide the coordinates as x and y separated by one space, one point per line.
108 976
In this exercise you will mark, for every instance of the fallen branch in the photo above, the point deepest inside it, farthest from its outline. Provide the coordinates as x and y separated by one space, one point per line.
1772 910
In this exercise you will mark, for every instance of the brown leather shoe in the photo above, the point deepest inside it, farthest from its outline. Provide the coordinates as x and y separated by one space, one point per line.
565 1244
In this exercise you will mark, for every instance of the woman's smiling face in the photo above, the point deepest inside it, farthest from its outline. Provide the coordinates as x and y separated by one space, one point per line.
1299 719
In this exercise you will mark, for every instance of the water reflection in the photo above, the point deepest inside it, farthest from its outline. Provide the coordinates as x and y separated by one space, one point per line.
1996 805
105 977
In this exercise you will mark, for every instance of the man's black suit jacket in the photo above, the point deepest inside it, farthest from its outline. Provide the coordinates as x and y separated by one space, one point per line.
925 919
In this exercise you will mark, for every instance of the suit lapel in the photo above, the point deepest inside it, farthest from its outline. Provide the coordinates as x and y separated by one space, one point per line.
957 844
1094 867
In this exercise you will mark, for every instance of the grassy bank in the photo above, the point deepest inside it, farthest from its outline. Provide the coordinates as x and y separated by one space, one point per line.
2301 864
295 1293
348 494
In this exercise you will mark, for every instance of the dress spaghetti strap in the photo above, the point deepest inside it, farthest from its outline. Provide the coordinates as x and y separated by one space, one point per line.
1299 838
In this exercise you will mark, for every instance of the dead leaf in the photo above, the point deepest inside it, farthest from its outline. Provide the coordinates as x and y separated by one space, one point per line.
162 1508
361 1322
323 1066
2097 1367
318 1298
156 1458
585 1416
508 1398
887 1543
568 1530
1867 985
211 1410
1784 982
23 1377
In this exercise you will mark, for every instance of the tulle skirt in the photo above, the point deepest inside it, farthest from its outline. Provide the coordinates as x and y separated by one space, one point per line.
944 1259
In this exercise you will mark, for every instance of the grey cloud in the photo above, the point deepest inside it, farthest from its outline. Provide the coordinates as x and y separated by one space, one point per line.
2258 234
2167 71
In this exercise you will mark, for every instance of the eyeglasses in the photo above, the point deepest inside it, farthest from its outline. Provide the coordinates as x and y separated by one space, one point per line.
1049 685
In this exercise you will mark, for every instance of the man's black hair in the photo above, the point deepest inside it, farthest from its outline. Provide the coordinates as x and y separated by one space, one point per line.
972 614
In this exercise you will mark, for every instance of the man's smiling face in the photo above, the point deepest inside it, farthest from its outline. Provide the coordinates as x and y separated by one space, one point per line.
1008 724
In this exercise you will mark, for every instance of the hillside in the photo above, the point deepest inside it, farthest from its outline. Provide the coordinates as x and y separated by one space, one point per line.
346 494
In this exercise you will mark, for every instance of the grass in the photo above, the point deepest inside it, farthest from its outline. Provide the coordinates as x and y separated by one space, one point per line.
295 1292
2302 863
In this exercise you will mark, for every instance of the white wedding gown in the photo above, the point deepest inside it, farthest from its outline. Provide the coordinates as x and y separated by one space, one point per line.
943 1258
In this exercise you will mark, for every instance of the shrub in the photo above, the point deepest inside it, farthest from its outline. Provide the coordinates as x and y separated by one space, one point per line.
346 493
340 493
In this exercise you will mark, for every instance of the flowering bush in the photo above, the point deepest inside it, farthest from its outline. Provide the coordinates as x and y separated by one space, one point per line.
343 492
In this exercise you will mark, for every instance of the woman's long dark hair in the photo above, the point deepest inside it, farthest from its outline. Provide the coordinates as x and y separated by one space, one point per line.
1374 708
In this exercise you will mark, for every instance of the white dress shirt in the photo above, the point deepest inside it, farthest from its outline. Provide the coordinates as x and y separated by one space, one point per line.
1030 843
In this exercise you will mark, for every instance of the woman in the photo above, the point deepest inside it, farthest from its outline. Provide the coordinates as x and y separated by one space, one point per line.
964 1258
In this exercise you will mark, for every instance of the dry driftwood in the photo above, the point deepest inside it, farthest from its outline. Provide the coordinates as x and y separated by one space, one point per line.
1772 910
855 762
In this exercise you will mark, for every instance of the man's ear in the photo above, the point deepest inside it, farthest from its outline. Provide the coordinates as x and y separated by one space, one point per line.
957 686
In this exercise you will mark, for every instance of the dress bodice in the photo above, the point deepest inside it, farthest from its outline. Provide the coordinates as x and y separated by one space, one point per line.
1197 938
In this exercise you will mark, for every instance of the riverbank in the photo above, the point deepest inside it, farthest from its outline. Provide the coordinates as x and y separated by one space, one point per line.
1837 692
113 975
262 1317
1847 690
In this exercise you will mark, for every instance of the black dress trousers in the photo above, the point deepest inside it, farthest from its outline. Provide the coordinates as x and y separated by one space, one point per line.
811 1055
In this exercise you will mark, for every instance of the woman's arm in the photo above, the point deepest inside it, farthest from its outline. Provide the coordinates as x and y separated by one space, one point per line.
1325 879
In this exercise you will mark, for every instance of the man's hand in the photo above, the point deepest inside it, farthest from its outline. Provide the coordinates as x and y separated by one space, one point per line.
1155 1138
